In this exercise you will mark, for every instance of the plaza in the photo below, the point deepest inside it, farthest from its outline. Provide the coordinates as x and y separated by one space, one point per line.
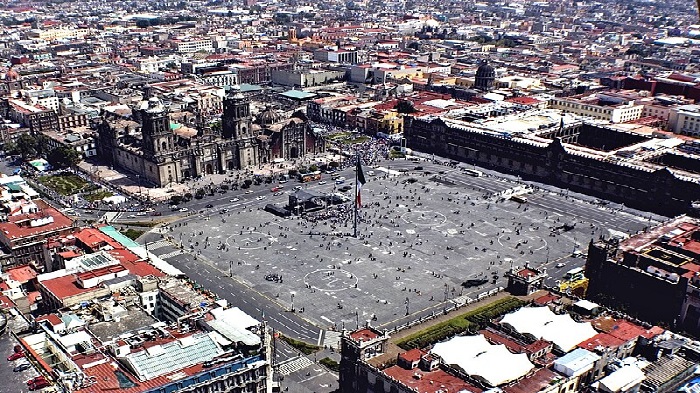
422 234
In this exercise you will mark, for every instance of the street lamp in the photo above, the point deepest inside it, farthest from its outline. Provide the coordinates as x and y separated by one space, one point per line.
292 294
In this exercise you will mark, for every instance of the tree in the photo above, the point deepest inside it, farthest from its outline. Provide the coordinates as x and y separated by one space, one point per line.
26 146
405 107
63 157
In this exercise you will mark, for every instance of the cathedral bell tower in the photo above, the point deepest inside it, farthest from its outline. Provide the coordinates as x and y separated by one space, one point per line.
155 128
236 120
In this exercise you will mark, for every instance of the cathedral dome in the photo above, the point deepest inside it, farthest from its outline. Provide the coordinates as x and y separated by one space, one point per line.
268 117
485 70
485 76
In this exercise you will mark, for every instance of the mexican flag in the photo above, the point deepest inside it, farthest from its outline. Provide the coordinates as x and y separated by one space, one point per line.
360 181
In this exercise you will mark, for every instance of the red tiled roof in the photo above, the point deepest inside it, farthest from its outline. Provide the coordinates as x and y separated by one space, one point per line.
68 254
364 334
431 381
53 319
18 226
66 286
546 299
94 238
534 382
22 274
100 272
601 340
524 100
134 264
413 355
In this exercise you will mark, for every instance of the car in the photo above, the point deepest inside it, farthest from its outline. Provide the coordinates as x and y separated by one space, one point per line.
274 189
131 216
249 192
261 197
39 385
36 379
141 214
15 356
183 209
278 193
418 168
173 207
370 173
297 188
283 181
560 265
234 200
345 188
156 214
223 211
340 181
209 206
21 367
322 182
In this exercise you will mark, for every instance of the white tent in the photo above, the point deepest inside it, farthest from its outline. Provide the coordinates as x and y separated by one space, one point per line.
493 364
115 199
541 322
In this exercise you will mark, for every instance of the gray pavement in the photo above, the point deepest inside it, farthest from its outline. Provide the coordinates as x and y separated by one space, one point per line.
419 241
13 381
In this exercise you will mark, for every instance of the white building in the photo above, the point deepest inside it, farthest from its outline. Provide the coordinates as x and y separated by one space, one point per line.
685 120
593 106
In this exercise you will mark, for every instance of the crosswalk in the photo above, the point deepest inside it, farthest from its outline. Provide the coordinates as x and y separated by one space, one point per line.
171 254
158 244
294 365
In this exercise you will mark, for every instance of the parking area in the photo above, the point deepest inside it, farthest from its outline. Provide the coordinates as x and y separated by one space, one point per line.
422 234
14 381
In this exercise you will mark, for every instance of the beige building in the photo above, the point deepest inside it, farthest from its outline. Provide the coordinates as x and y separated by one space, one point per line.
592 106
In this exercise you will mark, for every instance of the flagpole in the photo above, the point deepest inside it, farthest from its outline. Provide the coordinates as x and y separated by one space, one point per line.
357 157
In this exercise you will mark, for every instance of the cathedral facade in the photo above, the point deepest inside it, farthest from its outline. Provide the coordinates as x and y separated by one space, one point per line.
162 152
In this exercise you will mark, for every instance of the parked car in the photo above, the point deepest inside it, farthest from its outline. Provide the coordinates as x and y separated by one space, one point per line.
156 214
39 385
183 209
234 200
560 265
15 356
322 182
21 367
36 379
261 197
209 206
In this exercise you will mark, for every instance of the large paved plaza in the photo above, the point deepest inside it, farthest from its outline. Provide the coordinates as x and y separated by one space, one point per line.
421 236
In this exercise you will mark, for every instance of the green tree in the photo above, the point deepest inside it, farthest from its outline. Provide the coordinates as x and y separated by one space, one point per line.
25 146
63 157
405 107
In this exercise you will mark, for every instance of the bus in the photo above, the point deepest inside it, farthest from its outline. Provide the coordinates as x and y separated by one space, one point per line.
519 198
311 176
473 172
575 274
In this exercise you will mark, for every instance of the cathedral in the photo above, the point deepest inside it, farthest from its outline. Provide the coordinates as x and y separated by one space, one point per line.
162 152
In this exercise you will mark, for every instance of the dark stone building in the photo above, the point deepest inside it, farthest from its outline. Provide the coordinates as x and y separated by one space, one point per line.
549 159
164 152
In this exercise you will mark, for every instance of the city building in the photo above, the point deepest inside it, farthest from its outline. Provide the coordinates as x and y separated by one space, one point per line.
163 152
656 273
594 159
